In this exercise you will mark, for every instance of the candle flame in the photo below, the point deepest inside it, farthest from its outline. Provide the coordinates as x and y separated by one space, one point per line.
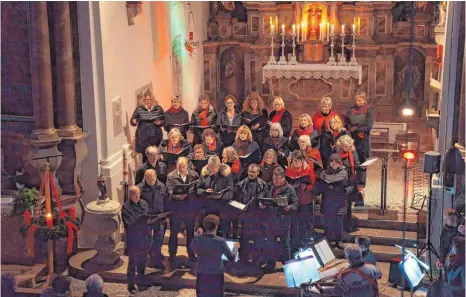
49 215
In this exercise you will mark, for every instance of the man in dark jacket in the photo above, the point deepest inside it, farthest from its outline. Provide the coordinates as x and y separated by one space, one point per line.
156 195
137 235
152 153
180 205
216 177
277 220
364 243
247 192
449 231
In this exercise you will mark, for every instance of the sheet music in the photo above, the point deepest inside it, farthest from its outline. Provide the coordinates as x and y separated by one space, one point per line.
230 244
237 204
300 271
324 251
369 162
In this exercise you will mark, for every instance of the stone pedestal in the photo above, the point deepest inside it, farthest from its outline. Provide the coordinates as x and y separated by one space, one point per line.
74 151
44 149
103 219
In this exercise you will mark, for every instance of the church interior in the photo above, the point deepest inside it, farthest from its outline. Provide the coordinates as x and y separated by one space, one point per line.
74 75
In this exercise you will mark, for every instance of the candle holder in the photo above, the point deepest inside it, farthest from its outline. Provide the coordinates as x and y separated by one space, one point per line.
293 60
342 61
282 57
353 61
272 60
331 60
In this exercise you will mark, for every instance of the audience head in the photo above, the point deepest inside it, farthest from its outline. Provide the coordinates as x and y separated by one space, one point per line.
336 124
450 218
278 104
253 171
253 102
270 157
134 193
461 230
334 161
150 176
345 144
213 164
182 165
305 121
278 177
199 153
243 134
148 99
176 102
298 160
361 98
210 223
230 102
175 136
204 101
304 141
8 284
94 283
364 242
209 136
457 248
439 289
326 105
61 284
152 154
276 130
353 254
229 155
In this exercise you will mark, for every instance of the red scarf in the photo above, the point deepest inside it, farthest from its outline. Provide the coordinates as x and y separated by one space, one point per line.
171 149
306 131
212 146
314 154
336 133
175 110
203 117
242 146
348 155
235 167
278 115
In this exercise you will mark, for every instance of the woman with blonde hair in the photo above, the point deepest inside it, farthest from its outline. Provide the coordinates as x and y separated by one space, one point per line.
281 115
203 117
255 116
278 143
149 119
246 147
330 137
268 164
305 127
175 145
230 158
229 120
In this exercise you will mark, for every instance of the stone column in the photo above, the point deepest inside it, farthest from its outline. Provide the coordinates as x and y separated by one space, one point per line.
44 137
73 147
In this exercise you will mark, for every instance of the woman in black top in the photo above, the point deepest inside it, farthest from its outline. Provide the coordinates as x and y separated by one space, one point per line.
203 117
211 143
281 115
268 164
278 143
247 148
177 117
255 116
149 119
229 120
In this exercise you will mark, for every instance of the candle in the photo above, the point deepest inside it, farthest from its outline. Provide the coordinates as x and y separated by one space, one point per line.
320 30
125 163
283 29
333 29
298 35
27 218
270 21
359 26
354 28
342 29
294 29
72 213
328 31
49 221
272 29
276 23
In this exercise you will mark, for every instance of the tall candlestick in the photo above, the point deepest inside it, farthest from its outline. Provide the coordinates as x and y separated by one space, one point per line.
282 60
72 213
297 37
272 60
125 163
353 57
331 60
354 28
343 57
49 220
293 60
328 31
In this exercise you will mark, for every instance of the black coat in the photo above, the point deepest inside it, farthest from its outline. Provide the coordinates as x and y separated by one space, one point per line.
281 149
227 131
147 133
156 196
260 133
293 143
286 122
267 172
163 148
327 141
160 168
175 204
285 191
247 189
218 148
362 118
196 121
137 232
255 158
172 119
222 180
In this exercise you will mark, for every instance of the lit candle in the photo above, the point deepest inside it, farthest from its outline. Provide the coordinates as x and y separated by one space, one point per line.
303 35
49 221
294 29
320 31
272 29
270 21
333 29
72 213
276 23
354 28
283 29
298 35
342 29
125 163
328 31
359 26
27 218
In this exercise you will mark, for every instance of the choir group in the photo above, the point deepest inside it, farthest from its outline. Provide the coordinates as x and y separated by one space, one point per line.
252 157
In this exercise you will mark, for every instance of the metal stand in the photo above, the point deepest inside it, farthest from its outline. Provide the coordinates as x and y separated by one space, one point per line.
429 246
387 155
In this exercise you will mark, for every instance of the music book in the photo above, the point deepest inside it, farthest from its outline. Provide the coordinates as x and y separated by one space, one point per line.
170 158
180 189
216 193
237 204
250 121
199 164
153 219
179 125
230 244
302 270
369 162
277 201
203 127
150 117
247 158
300 179
323 252
411 270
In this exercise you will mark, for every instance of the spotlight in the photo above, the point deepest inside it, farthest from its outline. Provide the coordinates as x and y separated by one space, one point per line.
409 155
408 111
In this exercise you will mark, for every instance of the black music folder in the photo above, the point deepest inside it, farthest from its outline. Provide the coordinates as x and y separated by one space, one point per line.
170 158
181 189
203 127
153 219
253 120
199 164
150 117
179 125
306 179
205 193
249 157
277 201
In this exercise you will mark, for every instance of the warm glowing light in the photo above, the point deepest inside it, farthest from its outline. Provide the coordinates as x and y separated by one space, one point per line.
409 156
49 215
408 111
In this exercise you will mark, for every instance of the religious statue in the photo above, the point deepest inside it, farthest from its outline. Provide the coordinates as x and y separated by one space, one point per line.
101 184
442 13
221 7
230 77
408 81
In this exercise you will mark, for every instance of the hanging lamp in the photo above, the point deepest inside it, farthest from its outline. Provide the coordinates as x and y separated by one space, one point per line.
190 44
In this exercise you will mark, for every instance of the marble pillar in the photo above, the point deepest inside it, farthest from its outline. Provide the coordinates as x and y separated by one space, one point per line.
73 145
44 137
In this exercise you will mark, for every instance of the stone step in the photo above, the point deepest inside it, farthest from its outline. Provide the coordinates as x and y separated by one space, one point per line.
363 222
382 253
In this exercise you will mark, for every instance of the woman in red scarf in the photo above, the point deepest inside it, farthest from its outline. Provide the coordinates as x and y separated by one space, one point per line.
246 147
349 158
230 158
330 137
281 116
174 145
203 117
177 117
211 143
305 128
312 154
300 175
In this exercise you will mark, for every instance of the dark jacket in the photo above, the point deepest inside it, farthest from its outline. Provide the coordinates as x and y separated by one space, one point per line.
218 148
172 119
363 119
147 133
174 178
286 121
244 149
285 191
156 196
196 121
327 141
369 257
137 232
185 150
222 180
160 168
247 189
293 143
281 149
267 172
227 131
260 133
334 187
303 189
352 175
446 239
